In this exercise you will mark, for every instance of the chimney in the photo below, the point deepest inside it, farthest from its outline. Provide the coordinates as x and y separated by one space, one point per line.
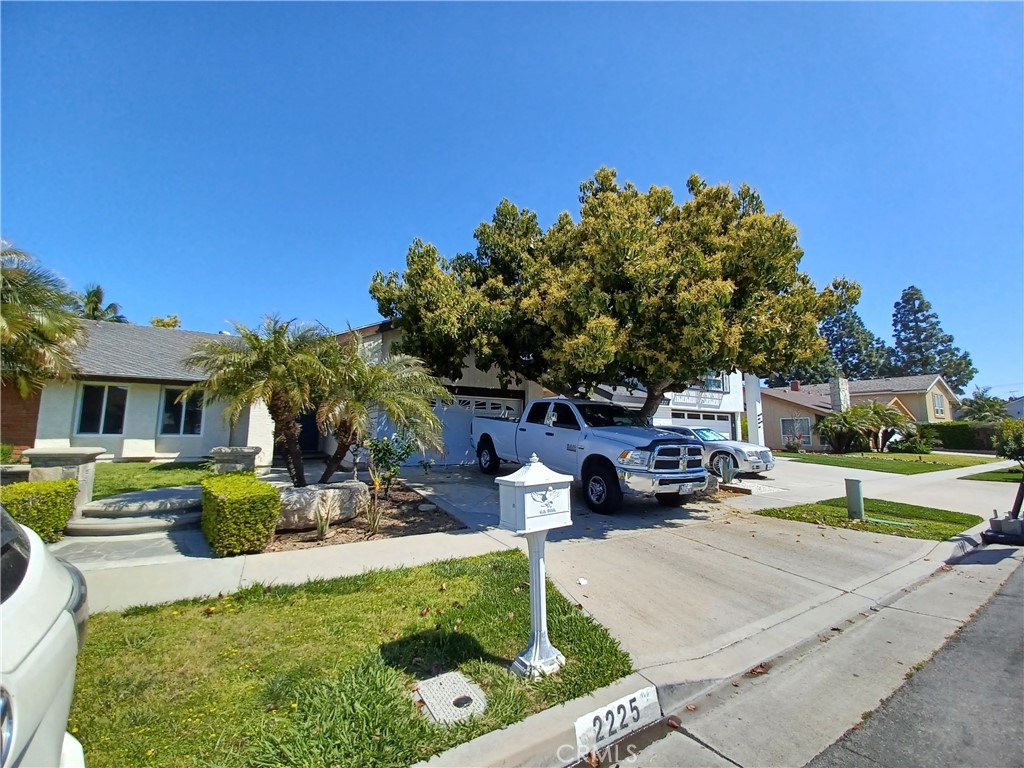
839 389
794 385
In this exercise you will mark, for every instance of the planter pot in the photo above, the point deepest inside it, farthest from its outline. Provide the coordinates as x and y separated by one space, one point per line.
995 524
1013 527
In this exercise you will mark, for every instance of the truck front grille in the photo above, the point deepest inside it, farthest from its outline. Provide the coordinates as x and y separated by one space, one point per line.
669 457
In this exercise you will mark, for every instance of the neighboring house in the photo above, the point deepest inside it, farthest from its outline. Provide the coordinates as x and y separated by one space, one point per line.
123 400
1015 407
791 412
717 402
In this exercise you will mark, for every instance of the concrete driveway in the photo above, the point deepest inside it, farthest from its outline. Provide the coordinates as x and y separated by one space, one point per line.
693 594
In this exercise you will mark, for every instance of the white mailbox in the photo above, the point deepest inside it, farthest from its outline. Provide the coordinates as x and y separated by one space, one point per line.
534 498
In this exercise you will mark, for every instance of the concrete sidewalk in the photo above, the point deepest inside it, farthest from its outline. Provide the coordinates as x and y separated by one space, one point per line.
695 595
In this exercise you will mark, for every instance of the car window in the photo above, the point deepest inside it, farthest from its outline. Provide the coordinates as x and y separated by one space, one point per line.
608 415
710 435
564 417
14 554
537 413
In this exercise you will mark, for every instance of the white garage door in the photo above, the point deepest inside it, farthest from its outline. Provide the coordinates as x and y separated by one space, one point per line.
720 422
457 418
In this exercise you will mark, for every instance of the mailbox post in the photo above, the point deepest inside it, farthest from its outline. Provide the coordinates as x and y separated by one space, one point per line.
534 500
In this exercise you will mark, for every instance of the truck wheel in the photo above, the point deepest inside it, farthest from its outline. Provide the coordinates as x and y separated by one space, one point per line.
487 458
713 464
601 489
672 499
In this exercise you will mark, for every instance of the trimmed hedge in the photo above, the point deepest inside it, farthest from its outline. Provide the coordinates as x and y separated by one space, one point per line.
45 506
960 435
239 513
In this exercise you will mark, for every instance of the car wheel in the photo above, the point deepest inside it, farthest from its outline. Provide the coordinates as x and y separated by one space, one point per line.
601 490
672 499
713 465
487 458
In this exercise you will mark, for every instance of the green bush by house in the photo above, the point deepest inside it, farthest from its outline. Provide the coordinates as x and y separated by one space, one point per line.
960 435
239 513
45 506
6 453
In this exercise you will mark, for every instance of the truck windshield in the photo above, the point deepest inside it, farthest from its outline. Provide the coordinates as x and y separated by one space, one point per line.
608 415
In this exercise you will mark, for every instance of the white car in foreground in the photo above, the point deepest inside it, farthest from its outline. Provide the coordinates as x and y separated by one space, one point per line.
43 613
716 447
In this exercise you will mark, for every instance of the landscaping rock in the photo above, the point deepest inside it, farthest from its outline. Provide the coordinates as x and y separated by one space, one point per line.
339 501
712 488
428 507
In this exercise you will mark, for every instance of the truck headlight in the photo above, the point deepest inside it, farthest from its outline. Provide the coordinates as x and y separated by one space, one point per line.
635 458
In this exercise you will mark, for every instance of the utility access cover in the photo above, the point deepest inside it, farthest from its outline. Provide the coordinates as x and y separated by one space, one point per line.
451 697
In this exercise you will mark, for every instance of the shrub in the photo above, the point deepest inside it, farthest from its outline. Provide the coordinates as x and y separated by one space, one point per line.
1009 440
960 435
915 444
45 506
239 513
6 453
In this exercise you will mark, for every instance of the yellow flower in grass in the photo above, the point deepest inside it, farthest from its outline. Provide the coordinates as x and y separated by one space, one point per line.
149 753
294 705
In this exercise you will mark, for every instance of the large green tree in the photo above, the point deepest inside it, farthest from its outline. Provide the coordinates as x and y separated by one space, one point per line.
981 406
859 354
38 324
921 347
282 364
817 371
91 306
640 289
363 388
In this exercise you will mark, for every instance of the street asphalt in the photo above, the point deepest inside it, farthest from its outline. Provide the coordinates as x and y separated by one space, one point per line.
697 595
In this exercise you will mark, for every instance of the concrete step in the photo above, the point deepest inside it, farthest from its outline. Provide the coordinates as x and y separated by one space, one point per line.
123 525
157 501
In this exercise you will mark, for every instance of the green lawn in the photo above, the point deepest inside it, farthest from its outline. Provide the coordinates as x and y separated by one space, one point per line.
1009 475
898 463
321 674
925 522
122 477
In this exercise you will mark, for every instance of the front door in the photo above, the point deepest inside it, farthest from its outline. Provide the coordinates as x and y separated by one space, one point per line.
309 436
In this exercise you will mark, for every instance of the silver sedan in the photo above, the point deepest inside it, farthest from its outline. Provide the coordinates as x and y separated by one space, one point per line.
716 447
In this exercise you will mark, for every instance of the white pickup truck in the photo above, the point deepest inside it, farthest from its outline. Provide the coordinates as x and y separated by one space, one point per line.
602 445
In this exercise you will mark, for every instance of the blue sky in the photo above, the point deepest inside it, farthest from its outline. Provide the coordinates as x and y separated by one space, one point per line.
222 161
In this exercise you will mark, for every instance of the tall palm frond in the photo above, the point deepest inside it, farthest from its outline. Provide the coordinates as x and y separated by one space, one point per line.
38 325
92 307
280 363
398 387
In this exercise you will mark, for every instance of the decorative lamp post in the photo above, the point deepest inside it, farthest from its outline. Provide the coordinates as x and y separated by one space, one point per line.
534 500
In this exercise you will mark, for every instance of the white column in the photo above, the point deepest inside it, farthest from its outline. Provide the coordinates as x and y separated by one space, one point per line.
752 401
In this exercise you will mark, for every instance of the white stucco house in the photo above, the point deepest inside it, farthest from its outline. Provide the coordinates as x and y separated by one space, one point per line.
123 400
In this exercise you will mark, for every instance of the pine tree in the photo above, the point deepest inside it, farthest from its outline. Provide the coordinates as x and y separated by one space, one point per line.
815 372
921 347
858 353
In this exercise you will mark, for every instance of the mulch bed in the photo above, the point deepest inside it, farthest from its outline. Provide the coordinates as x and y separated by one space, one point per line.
401 517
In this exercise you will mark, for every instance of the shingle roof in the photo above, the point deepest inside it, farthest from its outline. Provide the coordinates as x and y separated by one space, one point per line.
126 351
814 400
895 385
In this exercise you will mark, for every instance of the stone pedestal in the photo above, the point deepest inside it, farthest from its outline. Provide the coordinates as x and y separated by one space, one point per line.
234 459
66 464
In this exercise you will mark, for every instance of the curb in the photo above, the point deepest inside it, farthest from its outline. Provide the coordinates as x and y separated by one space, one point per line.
548 738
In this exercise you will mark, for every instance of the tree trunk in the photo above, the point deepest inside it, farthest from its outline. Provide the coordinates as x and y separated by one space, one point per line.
345 439
1015 512
287 428
653 400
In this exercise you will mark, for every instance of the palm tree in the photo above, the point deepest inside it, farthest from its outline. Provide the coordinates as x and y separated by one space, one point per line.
38 324
887 423
280 363
398 387
92 308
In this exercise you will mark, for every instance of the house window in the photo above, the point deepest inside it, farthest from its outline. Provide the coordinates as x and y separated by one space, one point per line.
102 410
716 382
185 418
796 430
940 404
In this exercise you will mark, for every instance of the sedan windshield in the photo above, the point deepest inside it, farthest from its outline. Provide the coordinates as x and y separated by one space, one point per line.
709 435
608 415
